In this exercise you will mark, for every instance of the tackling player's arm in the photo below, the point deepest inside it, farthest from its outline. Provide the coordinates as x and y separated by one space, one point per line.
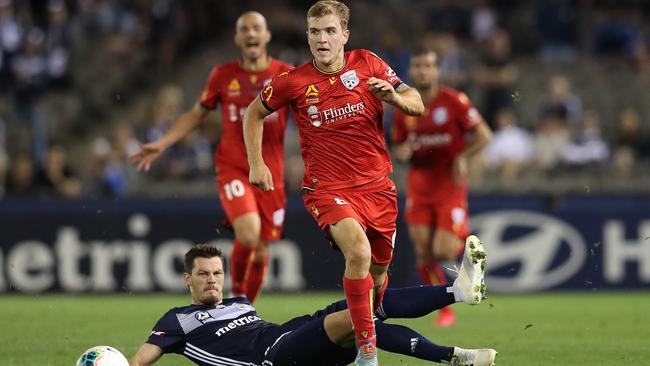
259 174
146 355
184 124
405 98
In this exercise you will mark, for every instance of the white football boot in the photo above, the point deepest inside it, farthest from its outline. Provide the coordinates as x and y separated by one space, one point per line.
473 357
469 286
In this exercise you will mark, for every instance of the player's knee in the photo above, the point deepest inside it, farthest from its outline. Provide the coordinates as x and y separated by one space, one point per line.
445 252
248 238
358 257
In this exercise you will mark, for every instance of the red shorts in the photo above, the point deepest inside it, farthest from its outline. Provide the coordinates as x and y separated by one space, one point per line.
374 206
450 215
239 197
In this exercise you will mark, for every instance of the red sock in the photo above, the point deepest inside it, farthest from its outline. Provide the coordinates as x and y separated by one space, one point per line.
359 296
379 295
424 271
240 258
256 274
439 273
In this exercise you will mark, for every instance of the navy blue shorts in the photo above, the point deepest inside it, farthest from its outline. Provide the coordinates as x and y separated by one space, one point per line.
305 343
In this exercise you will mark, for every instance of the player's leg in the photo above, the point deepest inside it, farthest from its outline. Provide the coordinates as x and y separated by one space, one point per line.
450 230
247 234
271 211
257 270
350 237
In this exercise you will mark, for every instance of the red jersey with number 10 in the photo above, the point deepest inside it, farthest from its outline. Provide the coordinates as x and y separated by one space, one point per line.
340 120
234 88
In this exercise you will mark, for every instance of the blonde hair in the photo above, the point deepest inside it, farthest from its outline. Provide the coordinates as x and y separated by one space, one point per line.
327 7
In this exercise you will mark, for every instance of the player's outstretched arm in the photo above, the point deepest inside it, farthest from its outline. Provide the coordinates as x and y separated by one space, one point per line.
259 174
184 124
405 98
482 135
146 355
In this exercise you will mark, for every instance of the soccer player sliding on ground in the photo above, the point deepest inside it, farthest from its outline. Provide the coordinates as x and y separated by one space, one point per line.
217 331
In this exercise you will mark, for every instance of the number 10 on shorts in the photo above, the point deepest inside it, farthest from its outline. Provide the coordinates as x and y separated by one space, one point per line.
234 189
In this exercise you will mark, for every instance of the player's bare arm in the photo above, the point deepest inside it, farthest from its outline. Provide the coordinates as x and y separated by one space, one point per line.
403 152
405 98
259 174
184 124
482 135
146 355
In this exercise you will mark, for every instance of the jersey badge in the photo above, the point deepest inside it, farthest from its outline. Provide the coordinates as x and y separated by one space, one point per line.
350 79
311 92
314 116
203 317
234 89
440 116
253 78
332 80
390 72
314 210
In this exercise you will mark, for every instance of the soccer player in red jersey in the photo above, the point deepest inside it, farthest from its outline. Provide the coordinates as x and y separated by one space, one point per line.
337 99
256 217
435 145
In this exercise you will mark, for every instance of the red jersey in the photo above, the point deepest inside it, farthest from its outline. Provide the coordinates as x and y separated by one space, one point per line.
339 119
437 138
234 88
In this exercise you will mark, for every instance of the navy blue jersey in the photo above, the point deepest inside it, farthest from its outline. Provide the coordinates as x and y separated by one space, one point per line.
230 333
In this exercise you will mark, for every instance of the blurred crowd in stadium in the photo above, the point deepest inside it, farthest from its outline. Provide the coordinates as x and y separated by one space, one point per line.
565 86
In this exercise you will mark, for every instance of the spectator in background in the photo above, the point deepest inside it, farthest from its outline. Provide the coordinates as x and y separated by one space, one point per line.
56 178
510 148
617 34
551 137
496 75
29 68
587 147
10 41
58 42
632 144
484 21
557 24
21 178
561 103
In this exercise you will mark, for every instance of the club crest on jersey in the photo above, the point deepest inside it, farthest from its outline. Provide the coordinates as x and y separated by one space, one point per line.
350 79
203 316
440 116
314 116
234 88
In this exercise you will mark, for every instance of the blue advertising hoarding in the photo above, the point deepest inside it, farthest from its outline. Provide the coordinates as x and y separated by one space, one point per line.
534 243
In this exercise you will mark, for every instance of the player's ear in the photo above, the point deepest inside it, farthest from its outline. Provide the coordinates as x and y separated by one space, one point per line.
186 277
346 36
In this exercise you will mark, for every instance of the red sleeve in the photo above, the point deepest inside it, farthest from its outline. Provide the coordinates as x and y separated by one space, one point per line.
277 93
398 129
381 70
210 97
469 117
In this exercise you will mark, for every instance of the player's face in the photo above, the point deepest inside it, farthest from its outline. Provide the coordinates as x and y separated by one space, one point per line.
252 35
326 39
424 70
206 281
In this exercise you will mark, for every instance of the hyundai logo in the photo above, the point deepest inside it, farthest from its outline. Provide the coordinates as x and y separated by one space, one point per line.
536 251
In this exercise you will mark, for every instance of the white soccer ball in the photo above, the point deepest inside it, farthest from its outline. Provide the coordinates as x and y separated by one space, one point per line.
102 356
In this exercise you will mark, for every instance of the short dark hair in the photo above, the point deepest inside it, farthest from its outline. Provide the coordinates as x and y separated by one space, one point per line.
326 7
201 251
421 50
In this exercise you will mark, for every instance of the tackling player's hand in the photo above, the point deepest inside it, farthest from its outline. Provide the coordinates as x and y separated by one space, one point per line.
459 170
383 90
147 154
260 176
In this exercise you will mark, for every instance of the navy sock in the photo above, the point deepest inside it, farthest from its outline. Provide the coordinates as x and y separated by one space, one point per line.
406 341
414 302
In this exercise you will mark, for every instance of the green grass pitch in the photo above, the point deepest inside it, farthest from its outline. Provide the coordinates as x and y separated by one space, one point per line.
568 329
